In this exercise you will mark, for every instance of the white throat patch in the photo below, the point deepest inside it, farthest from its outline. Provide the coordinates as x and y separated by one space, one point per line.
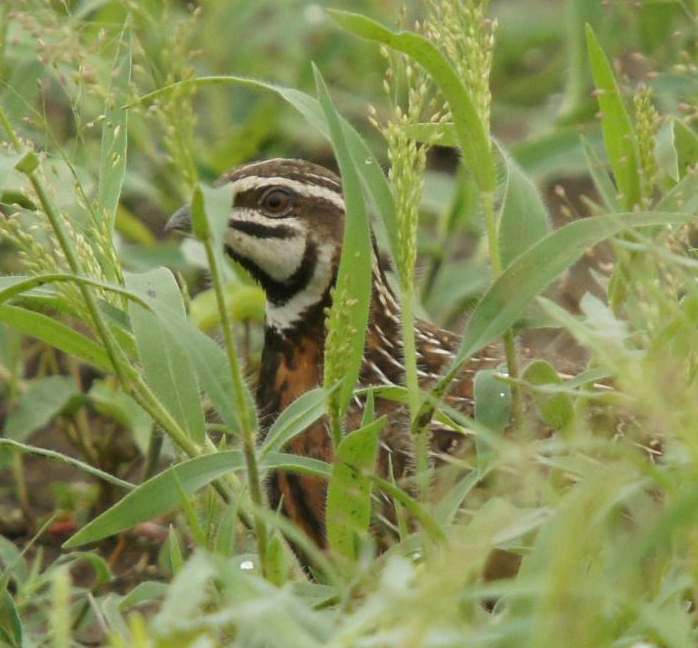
291 312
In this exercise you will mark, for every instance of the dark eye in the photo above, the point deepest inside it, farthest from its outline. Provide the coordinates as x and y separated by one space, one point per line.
276 201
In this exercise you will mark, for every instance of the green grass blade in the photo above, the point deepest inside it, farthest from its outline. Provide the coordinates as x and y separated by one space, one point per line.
71 461
471 134
602 182
355 266
349 495
112 161
523 219
686 144
538 267
166 363
296 418
618 133
53 332
158 496
161 494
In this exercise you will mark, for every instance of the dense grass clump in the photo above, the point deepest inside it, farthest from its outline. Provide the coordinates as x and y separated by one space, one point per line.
531 165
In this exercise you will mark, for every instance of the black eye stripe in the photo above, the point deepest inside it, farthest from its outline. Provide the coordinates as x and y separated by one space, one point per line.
259 230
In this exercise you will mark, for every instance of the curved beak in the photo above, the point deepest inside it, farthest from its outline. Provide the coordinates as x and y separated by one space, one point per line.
180 221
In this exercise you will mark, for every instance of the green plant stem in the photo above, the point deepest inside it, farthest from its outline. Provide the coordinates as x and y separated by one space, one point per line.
248 433
335 422
421 436
130 380
509 342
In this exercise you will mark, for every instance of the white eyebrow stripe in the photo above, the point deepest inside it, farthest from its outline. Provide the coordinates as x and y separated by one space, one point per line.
254 216
323 178
306 190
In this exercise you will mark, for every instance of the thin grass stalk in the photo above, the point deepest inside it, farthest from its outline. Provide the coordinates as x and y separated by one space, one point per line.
248 433
130 380
509 342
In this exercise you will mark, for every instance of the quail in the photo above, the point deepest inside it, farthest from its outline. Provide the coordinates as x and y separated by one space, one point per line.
286 227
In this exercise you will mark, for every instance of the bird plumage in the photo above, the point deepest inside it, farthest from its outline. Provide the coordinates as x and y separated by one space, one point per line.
286 229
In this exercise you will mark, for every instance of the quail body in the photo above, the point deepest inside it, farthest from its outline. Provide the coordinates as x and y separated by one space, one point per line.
286 228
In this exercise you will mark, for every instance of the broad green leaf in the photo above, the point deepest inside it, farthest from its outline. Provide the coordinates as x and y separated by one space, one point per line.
166 363
538 267
686 144
555 409
618 132
112 161
210 213
367 165
472 138
244 303
348 513
59 335
207 358
492 400
44 399
354 275
602 182
162 494
523 219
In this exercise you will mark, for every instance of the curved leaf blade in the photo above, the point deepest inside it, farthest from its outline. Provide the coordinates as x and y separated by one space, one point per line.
469 130
618 133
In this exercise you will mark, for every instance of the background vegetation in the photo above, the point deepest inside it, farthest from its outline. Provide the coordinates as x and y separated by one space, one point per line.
126 514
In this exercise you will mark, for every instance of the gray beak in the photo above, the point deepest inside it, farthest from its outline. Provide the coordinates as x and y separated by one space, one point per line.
180 221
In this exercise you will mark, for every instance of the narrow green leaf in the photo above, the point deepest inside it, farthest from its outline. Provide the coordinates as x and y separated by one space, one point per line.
538 267
686 144
354 275
16 285
492 400
618 132
523 218
160 494
10 623
166 363
296 418
348 512
447 508
112 160
44 399
174 551
602 182
555 409
471 134
76 463
55 333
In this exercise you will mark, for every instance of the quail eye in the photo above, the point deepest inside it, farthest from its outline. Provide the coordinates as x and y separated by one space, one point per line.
276 201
